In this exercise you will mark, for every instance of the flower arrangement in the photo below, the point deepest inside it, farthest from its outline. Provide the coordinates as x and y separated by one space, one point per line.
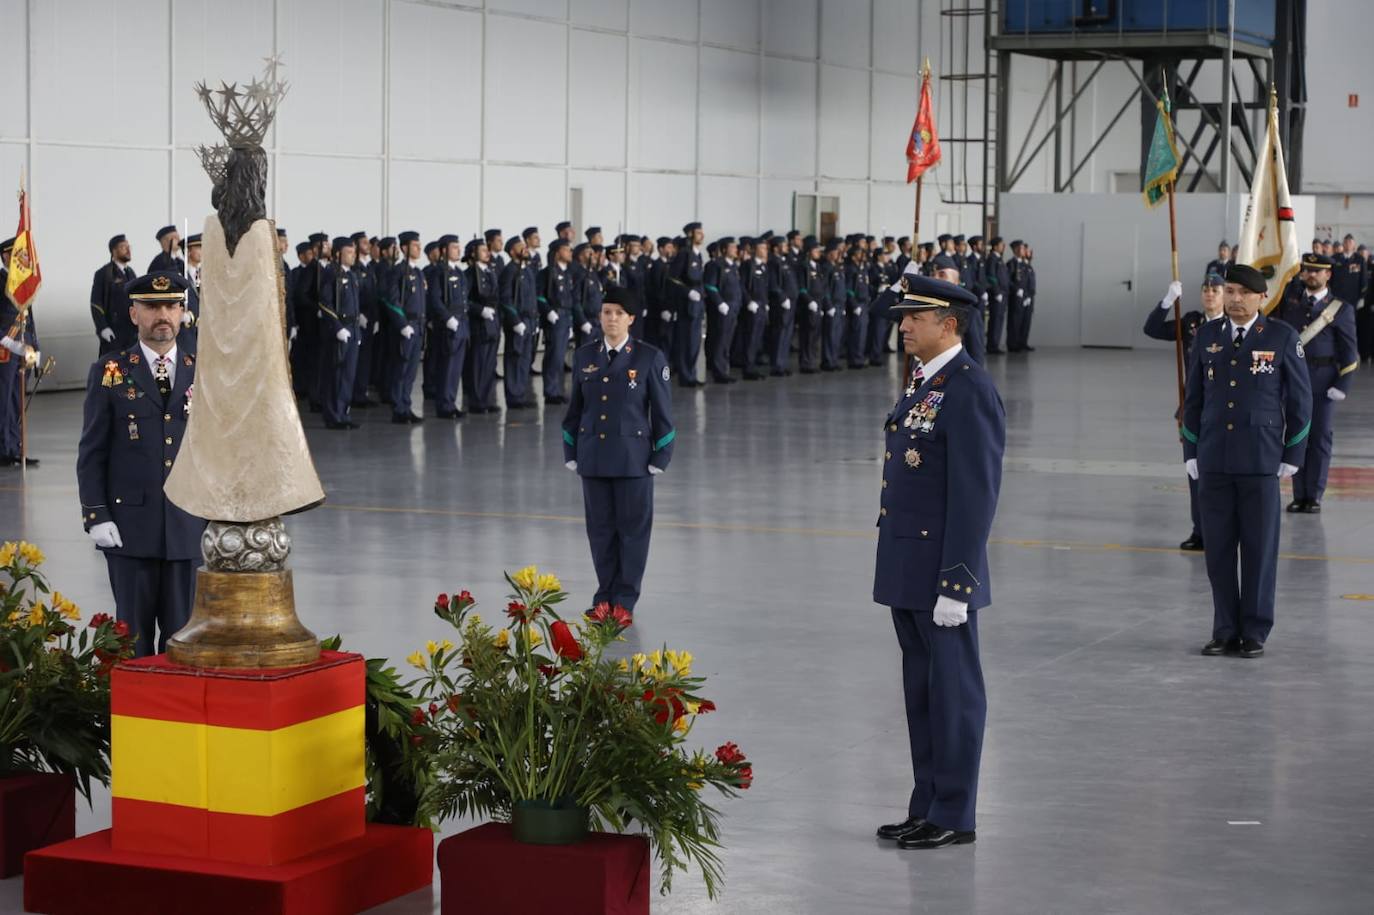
54 676
536 712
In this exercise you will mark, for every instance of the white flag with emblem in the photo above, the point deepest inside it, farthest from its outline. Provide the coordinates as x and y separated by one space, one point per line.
1269 239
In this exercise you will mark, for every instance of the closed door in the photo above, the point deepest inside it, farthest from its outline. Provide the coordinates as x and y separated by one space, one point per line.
1110 315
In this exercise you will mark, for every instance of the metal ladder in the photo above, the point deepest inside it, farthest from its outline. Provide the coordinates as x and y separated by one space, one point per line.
961 21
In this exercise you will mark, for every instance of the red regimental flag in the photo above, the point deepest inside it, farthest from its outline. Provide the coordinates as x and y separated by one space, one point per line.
923 146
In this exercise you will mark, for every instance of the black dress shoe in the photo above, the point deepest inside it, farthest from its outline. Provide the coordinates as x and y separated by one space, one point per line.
1251 648
753 376
336 427
1313 507
351 425
1296 505
555 400
401 420
995 351
1221 646
932 836
1193 543
895 831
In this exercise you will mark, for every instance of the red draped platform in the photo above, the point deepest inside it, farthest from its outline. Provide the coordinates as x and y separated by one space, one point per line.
36 809
484 871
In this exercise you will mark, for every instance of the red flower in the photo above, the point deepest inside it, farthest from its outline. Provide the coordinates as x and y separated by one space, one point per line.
564 642
465 599
99 620
454 703
441 602
706 706
670 707
121 629
622 617
548 670
599 613
416 740
433 710
518 611
746 774
729 754
417 717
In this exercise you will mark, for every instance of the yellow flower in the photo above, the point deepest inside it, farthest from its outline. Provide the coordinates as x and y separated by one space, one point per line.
7 553
431 646
534 637
16 618
30 554
446 645
417 659
36 614
502 640
549 582
474 619
681 662
434 647
525 578
638 659
692 707
65 607
622 665
681 725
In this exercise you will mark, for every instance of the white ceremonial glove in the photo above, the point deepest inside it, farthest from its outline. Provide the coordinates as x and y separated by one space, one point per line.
1286 471
830 312
1190 466
753 307
1029 301
950 612
911 269
786 304
292 336
343 335
1173 295
1335 394
552 317
362 321
407 332
694 295
571 465
105 535
665 315
985 298
999 296
814 306
520 329
451 324
586 327
897 287
654 471
1020 293
858 311
106 334
187 318
723 308
488 313
10 344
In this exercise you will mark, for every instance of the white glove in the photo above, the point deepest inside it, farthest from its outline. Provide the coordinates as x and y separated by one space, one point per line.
985 298
723 308
1286 471
10 344
106 334
694 295
552 317
105 535
911 269
665 315
571 465
753 307
343 335
586 327
813 306
292 335
362 321
786 304
950 612
488 313
1190 466
858 311
999 296
1335 394
1173 295
187 318
1029 301
830 312
519 329
407 332
1020 293
654 471
451 324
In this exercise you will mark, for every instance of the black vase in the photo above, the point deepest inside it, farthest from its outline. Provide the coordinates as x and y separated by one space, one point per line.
539 822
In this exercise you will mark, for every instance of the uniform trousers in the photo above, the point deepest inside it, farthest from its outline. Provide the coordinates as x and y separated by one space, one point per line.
1240 512
555 351
832 335
946 707
1310 480
404 365
620 516
687 342
780 339
336 394
153 596
720 334
856 331
808 339
11 407
997 320
516 365
448 373
362 374
481 372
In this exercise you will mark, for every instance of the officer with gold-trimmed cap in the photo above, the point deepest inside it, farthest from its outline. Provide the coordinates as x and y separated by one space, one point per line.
942 470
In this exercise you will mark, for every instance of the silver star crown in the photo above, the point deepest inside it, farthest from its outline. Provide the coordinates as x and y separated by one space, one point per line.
215 161
244 114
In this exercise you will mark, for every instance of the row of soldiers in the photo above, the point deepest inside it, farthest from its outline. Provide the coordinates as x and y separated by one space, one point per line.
367 314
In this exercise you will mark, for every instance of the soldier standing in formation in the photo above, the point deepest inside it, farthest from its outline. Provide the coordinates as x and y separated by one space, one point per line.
17 341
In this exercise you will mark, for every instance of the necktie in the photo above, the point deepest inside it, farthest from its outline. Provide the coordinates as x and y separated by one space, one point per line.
610 355
1311 303
1240 335
918 378
163 376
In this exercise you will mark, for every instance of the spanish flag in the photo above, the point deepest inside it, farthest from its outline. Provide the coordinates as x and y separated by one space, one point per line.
25 275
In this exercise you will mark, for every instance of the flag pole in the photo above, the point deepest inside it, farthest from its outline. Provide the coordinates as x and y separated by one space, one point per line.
1178 307
23 363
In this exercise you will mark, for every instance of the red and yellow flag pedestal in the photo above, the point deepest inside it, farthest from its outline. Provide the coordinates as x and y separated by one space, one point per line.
234 791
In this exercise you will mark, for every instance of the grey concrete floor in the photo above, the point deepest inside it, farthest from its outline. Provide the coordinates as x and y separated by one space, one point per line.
1122 771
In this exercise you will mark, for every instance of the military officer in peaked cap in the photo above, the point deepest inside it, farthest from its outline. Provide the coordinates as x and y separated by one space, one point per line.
1247 414
406 308
168 239
110 300
137 403
941 474
1332 357
617 435
340 304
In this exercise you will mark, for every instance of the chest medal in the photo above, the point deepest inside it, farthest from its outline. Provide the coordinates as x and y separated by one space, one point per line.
921 418
631 375
1262 362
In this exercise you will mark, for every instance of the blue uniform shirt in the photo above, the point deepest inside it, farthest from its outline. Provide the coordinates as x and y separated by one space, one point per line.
942 470
619 420
1246 409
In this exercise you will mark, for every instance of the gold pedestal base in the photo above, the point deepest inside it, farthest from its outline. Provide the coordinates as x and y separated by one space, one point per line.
244 619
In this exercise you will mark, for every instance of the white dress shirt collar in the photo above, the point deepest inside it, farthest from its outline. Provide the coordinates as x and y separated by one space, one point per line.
152 357
930 368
